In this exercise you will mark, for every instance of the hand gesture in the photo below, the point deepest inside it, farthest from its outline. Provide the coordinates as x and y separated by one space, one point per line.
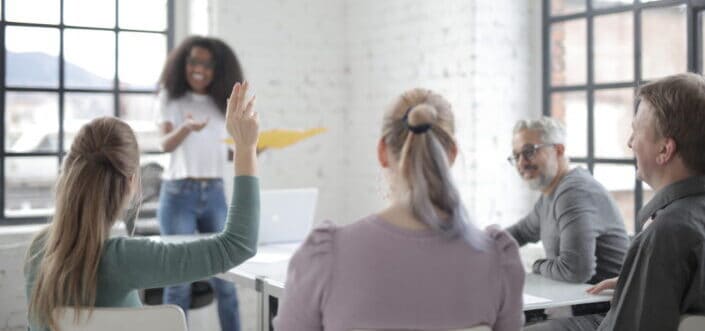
607 284
241 121
193 125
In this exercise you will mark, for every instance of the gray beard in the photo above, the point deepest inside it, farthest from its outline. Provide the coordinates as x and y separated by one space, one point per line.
541 182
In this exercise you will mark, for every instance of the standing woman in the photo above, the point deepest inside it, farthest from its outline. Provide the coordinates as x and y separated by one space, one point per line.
195 83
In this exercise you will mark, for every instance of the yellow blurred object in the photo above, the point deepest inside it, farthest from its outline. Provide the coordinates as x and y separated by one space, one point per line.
280 138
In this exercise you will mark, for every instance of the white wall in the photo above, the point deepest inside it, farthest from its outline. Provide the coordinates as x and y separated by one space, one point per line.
338 64
480 55
294 54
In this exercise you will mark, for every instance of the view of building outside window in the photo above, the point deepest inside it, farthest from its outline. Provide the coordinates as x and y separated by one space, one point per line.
94 54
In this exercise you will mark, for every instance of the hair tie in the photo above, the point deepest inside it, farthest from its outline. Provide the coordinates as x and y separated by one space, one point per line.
416 129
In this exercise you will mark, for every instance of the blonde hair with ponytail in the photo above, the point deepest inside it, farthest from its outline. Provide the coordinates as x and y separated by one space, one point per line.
92 191
419 132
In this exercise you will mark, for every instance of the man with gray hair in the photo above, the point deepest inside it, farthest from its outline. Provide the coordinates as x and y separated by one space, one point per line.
575 218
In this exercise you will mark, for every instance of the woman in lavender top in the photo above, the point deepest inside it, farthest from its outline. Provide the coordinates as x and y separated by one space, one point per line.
418 264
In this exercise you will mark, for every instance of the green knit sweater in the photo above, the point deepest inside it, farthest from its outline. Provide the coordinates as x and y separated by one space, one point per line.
129 264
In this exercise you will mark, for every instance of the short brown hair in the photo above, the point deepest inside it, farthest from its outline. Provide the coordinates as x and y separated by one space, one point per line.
678 102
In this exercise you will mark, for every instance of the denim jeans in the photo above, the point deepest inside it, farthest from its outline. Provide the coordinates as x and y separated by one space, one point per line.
187 206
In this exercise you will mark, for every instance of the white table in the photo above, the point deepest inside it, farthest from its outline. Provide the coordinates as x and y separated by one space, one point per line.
558 294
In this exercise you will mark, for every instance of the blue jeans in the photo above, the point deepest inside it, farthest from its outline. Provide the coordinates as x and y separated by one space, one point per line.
185 206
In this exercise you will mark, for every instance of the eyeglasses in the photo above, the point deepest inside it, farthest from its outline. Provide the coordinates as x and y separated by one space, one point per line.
205 64
528 152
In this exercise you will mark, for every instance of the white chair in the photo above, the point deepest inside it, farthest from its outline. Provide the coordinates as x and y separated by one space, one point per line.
692 323
148 318
475 328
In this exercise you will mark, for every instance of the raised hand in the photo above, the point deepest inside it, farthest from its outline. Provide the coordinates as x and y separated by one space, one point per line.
241 121
193 125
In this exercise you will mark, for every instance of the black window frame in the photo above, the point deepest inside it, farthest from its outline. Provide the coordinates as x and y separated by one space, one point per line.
694 8
61 90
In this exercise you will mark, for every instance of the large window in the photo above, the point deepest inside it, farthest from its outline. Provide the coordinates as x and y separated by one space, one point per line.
596 53
65 62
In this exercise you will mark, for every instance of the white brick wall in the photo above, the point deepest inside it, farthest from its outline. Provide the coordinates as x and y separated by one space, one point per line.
507 87
339 64
483 56
294 54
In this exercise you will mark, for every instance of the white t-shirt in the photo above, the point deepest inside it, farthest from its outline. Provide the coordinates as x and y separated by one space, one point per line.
202 154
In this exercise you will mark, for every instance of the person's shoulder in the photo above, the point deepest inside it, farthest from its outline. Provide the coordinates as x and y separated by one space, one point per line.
578 185
672 223
576 179
690 208
683 217
504 245
328 234
120 250
320 240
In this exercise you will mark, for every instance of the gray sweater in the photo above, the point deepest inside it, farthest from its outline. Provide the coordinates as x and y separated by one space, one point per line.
581 230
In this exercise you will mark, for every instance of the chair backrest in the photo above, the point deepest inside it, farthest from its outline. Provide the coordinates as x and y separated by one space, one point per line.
692 323
474 328
148 318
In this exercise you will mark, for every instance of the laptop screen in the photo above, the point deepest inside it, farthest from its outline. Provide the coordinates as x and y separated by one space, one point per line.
286 215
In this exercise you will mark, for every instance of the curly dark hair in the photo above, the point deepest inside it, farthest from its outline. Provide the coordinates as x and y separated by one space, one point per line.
226 73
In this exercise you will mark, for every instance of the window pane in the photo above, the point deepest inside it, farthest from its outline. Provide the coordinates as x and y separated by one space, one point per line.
571 108
614 110
563 7
135 109
140 60
664 48
80 108
27 11
32 56
29 185
89 58
614 48
599 4
568 53
102 13
31 122
619 180
143 14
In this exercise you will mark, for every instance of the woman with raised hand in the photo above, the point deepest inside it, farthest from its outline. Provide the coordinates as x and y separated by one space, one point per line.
75 263
416 265
195 82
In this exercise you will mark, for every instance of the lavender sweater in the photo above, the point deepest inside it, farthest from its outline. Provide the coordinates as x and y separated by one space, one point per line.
374 275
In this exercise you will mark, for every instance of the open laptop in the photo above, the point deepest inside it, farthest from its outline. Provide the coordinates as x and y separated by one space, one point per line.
286 215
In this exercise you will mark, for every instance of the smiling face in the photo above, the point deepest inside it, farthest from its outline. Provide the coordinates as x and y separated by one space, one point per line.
199 69
540 167
645 142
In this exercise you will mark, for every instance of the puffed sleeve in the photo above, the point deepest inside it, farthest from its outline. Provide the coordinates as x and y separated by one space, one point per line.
307 282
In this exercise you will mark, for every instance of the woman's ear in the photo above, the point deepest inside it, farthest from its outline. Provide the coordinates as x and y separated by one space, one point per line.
382 154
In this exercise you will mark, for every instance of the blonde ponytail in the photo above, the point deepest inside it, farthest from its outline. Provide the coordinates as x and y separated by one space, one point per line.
419 132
